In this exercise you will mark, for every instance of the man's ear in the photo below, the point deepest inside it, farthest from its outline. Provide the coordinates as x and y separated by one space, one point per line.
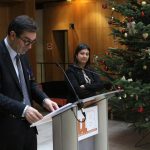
12 35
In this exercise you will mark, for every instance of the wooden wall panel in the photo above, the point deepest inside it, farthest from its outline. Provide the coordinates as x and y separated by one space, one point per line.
55 18
90 22
10 10
4 15
27 7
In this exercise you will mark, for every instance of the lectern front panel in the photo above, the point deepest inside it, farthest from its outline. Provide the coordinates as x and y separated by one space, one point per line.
65 131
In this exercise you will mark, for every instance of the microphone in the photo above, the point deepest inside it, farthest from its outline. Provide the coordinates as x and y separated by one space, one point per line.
86 70
106 84
91 71
79 102
77 97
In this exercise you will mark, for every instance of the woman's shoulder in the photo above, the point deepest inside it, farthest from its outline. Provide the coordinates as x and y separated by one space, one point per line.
90 68
73 68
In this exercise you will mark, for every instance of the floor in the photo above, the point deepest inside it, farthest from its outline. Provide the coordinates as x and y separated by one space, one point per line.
121 137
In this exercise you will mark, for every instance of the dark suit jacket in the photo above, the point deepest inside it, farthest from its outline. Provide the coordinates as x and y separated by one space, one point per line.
11 96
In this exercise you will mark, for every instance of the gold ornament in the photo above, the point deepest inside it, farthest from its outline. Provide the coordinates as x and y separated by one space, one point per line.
125 34
145 35
144 67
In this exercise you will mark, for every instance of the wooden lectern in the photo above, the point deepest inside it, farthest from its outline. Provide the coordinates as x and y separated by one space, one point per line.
65 127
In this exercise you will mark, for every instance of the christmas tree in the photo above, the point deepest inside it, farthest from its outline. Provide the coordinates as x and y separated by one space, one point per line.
128 66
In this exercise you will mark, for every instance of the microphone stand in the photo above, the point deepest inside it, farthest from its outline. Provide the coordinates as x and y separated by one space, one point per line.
79 103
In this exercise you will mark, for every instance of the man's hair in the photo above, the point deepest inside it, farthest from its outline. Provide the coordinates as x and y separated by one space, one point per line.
22 24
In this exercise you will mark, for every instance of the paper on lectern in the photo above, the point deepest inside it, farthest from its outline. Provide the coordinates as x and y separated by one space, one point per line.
48 117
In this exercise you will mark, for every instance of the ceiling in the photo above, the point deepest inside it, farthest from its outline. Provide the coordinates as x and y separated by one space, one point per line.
10 1
37 1
43 1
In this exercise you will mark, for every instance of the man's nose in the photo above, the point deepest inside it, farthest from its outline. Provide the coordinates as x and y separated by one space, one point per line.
29 46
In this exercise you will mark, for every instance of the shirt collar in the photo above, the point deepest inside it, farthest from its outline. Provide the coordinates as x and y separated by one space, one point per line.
11 51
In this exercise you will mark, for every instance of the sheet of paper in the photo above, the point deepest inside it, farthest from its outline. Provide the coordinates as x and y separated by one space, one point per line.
49 116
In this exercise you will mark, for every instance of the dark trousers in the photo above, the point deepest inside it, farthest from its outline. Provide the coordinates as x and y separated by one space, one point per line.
16 134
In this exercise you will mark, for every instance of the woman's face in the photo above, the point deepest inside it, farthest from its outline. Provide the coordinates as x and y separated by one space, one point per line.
83 57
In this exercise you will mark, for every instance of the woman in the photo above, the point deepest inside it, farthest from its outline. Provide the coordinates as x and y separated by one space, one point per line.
85 81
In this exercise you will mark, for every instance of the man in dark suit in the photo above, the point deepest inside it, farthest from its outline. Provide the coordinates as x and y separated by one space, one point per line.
16 111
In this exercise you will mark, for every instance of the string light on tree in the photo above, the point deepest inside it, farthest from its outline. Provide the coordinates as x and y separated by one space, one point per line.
146 119
125 95
113 9
143 3
145 35
125 35
123 30
145 67
136 97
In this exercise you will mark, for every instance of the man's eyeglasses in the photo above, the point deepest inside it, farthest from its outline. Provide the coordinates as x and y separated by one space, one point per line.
27 42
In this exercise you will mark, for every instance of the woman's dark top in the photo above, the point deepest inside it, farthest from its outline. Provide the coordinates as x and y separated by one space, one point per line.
76 77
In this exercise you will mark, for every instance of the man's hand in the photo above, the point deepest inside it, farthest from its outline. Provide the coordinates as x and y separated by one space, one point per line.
32 115
50 105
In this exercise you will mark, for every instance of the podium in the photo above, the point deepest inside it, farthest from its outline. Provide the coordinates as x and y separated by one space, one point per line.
65 125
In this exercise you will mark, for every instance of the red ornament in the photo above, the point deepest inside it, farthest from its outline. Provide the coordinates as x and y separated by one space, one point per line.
123 31
107 53
104 6
142 14
139 1
110 22
140 109
102 62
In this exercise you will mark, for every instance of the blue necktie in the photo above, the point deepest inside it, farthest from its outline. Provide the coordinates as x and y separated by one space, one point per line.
23 85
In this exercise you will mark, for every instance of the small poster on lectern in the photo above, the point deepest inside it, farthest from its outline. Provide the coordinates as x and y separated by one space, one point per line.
89 127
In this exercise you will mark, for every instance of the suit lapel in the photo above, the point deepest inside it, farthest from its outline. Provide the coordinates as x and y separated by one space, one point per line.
11 68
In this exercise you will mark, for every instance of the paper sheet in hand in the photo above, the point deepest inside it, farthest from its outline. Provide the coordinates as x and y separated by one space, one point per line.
49 116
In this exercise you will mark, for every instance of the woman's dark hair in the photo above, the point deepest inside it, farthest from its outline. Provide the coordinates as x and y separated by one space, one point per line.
80 47
22 24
